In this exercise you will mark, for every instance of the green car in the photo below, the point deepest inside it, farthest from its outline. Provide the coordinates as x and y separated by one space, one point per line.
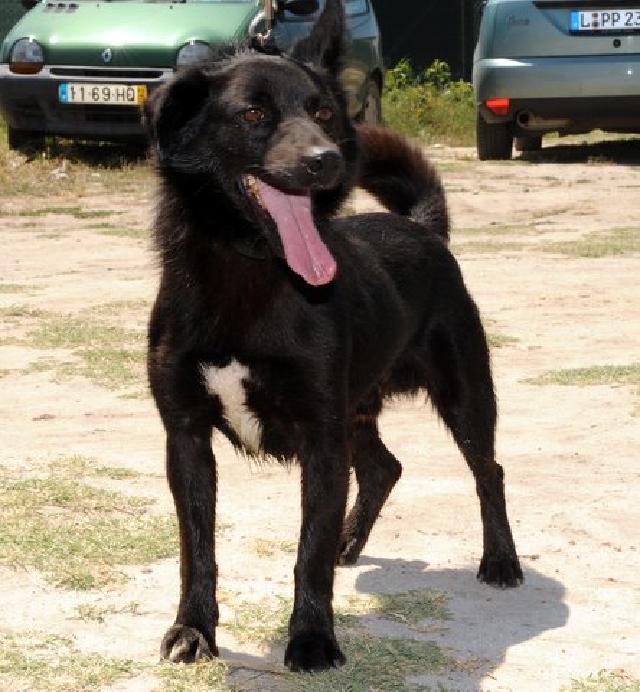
82 68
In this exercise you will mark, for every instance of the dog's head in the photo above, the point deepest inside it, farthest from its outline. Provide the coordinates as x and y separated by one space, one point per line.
271 132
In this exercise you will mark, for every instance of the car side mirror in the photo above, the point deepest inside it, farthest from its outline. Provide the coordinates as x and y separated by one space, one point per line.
29 4
299 7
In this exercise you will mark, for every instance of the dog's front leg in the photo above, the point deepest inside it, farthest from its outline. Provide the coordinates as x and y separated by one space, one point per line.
325 475
192 478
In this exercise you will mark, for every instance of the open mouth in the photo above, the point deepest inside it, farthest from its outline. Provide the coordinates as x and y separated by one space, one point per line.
304 250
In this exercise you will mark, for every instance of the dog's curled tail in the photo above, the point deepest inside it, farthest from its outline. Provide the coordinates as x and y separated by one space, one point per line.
399 176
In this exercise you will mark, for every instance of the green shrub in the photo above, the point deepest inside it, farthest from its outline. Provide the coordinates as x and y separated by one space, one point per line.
429 104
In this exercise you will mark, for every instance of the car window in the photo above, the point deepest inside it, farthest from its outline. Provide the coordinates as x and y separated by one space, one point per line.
290 17
356 7
352 8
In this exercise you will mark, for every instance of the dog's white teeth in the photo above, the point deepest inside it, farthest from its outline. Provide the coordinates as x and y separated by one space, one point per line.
252 183
252 187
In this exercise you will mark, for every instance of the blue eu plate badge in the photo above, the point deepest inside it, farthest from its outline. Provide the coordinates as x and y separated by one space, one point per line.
575 21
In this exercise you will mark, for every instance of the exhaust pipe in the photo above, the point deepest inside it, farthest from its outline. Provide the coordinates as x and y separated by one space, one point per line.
528 121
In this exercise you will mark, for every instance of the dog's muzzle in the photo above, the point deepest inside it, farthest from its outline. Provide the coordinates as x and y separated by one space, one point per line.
323 165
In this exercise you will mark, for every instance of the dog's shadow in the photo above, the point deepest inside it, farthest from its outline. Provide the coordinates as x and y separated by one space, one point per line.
485 622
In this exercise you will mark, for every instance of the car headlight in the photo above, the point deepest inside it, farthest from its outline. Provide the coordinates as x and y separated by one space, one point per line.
27 57
195 51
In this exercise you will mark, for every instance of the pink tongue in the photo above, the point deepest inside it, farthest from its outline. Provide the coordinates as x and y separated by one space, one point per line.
304 250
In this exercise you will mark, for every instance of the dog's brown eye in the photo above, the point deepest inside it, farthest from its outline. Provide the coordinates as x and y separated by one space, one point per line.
324 113
253 115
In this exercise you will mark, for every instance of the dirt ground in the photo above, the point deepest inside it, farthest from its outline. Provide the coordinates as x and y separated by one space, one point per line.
524 233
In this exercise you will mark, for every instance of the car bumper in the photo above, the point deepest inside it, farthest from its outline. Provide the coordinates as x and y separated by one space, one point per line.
31 103
563 94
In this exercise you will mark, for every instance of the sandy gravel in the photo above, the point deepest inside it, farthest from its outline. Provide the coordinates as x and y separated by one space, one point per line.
570 453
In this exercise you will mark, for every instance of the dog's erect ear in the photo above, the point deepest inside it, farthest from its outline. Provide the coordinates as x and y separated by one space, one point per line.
325 45
170 111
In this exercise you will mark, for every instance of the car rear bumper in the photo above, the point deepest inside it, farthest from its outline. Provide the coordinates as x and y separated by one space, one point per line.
568 93
31 103
565 77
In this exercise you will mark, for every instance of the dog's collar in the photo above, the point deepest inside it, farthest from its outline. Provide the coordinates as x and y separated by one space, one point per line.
253 247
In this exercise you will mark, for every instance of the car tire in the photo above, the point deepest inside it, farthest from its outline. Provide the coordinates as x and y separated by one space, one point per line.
371 113
24 141
494 142
529 143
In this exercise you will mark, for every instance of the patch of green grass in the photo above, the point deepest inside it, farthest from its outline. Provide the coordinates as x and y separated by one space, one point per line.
17 288
375 664
45 663
113 368
458 166
203 676
15 313
596 375
409 608
429 105
50 236
70 170
123 232
110 356
488 246
607 681
261 621
75 212
71 464
496 339
95 612
76 534
267 621
267 548
64 331
501 340
116 308
116 473
619 241
496 230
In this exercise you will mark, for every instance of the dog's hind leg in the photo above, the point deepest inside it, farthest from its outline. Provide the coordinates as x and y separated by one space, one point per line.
192 479
377 471
460 386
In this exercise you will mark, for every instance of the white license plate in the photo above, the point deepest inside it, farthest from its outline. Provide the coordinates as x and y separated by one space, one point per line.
102 94
605 20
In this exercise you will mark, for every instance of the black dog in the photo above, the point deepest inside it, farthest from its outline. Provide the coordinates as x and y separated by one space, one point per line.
286 329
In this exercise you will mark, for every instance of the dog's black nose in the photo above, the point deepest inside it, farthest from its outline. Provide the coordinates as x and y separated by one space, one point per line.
323 164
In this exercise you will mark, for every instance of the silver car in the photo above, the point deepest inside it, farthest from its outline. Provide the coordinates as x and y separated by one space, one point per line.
567 66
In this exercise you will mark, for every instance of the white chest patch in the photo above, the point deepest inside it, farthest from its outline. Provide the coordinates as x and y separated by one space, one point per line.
228 385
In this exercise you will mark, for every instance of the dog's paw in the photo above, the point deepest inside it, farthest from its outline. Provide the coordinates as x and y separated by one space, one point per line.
500 570
182 644
350 549
313 651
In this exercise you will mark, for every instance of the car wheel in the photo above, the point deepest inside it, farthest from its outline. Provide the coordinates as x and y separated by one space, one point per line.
529 143
371 113
25 141
494 142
